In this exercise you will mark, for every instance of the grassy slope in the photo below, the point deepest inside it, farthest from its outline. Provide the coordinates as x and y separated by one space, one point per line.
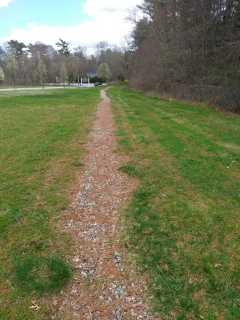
42 135
184 216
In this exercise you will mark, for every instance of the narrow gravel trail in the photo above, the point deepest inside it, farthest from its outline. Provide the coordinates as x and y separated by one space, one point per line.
104 285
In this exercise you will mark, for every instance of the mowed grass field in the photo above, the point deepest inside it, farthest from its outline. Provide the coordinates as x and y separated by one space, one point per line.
42 136
183 220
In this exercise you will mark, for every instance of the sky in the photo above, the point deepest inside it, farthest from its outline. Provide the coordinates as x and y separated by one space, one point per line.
80 22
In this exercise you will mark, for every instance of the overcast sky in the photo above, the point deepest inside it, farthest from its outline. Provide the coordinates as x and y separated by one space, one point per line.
80 22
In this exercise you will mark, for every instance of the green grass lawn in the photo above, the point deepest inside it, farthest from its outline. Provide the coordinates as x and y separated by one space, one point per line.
183 220
42 136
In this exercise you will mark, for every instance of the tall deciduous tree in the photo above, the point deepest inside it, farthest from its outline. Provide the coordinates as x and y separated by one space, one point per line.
63 74
12 65
80 62
103 71
2 76
48 54
42 72
1 52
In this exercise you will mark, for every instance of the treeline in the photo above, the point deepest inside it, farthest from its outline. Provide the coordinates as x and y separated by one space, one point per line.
184 49
39 63
189 49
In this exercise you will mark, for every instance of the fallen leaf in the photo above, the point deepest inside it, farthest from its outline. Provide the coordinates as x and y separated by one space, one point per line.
34 306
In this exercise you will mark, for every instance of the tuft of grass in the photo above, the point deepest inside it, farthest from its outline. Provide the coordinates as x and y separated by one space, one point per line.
41 275
78 164
129 169
183 220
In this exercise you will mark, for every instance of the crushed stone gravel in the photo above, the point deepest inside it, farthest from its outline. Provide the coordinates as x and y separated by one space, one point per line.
105 283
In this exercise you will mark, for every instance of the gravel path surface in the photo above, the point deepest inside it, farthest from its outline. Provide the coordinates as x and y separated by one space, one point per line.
104 285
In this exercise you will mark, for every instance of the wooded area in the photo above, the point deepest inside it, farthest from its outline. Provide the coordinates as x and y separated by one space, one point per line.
22 64
189 49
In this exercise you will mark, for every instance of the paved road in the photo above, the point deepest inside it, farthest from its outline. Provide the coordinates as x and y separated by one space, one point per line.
35 88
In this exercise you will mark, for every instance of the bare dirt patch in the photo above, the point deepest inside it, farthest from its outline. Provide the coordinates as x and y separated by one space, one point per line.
105 285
